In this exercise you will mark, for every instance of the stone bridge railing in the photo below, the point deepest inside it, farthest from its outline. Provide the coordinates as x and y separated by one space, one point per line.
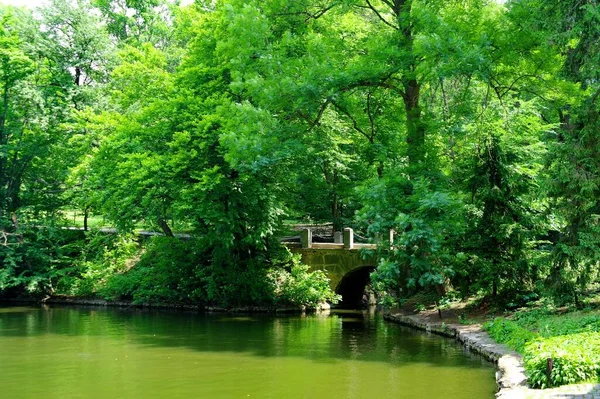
341 240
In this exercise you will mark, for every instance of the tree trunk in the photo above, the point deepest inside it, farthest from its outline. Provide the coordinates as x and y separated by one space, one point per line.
77 79
415 129
165 227
335 205
15 222
86 214
3 149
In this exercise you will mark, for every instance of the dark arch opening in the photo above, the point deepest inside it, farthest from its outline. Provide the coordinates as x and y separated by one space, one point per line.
352 287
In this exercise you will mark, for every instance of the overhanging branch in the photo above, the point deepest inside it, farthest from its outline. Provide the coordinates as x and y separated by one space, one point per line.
370 6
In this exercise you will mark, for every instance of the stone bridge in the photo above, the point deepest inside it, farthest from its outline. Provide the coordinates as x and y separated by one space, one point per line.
343 261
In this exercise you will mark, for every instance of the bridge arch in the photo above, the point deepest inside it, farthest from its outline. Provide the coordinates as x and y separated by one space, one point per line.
352 286
348 270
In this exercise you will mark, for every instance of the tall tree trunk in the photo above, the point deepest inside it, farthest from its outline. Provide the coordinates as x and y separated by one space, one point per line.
415 128
335 205
15 222
77 79
3 151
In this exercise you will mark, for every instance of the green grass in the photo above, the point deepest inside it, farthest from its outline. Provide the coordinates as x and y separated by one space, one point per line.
75 219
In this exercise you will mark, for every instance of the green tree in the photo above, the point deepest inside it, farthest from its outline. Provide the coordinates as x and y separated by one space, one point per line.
570 30
138 21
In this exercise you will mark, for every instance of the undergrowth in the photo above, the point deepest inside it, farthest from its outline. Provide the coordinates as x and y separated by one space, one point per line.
558 347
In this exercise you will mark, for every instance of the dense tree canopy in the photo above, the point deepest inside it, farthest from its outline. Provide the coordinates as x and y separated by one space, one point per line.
470 128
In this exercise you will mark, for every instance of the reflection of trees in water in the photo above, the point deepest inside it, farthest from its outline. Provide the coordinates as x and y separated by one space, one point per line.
348 335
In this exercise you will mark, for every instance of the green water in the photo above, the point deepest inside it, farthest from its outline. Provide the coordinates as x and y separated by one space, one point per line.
97 353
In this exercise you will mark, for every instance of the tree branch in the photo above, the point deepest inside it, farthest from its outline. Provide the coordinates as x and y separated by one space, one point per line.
354 122
382 82
385 21
314 122
314 15
370 115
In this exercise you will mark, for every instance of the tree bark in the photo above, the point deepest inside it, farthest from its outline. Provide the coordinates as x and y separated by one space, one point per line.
415 129
86 214
165 227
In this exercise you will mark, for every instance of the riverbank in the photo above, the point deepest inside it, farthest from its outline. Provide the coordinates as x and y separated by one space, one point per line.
75 301
510 376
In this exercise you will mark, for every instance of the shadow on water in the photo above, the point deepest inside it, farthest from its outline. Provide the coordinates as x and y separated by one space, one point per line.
343 335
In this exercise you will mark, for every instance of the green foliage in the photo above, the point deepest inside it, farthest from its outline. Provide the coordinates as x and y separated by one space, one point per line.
165 272
571 340
35 261
476 143
575 359
510 333
426 223
175 271
95 260
138 21
300 287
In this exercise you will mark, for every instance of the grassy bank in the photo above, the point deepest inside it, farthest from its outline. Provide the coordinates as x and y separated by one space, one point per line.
559 346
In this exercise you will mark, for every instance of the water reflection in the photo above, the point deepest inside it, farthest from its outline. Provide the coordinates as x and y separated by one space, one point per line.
352 352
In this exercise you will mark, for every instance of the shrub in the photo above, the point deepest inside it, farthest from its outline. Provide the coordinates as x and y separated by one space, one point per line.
99 257
166 272
575 358
235 284
510 333
300 287
178 271
572 341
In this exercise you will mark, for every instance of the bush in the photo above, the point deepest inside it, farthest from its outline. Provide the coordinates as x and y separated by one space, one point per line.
35 261
300 287
166 272
571 340
575 358
510 333
98 257
178 271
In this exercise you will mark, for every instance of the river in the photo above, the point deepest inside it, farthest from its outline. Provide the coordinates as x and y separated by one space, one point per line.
70 353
